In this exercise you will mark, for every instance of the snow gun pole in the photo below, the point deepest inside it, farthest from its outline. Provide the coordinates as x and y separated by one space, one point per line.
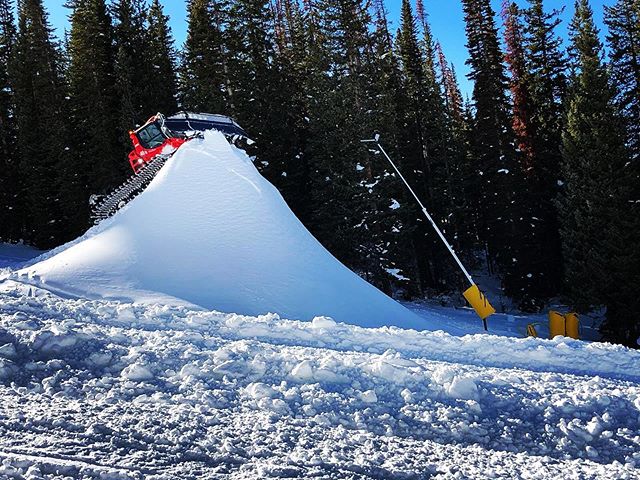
474 296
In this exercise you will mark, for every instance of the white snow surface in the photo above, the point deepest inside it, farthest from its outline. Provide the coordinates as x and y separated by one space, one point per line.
211 231
105 389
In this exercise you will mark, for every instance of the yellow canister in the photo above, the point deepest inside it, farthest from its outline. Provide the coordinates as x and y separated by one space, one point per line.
572 325
557 324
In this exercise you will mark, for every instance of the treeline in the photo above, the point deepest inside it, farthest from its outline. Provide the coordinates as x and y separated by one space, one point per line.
535 178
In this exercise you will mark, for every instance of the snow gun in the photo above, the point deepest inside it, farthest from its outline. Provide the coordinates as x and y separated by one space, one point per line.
473 295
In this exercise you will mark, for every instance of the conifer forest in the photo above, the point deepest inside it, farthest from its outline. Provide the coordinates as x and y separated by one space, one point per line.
534 178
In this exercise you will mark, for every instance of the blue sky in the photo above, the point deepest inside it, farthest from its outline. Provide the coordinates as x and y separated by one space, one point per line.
445 16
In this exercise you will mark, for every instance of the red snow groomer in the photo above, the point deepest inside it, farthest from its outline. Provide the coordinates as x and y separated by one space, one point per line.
153 144
163 135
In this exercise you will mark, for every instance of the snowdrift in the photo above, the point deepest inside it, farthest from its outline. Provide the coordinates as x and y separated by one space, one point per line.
211 231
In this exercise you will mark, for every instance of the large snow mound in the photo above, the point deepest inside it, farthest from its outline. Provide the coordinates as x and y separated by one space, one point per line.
211 231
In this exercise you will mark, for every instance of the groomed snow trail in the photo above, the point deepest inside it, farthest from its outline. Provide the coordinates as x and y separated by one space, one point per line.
99 389
211 231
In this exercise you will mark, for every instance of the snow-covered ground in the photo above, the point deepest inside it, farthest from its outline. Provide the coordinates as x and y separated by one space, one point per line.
99 389
111 379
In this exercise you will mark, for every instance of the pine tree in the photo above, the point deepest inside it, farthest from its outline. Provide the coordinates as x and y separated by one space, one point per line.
99 163
40 113
599 227
462 214
452 92
8 160
533 273
547 69
521 98
133 70
546 87
162 89
257 99
7 42
498 174
414 143
623 20
338 99
203 76
427 158
290 172
383 249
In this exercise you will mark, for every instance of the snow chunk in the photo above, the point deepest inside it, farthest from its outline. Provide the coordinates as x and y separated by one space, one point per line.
137 372
463 388
323 322
258 391
8 350
100 359
369 396
395 272
407 396
302 372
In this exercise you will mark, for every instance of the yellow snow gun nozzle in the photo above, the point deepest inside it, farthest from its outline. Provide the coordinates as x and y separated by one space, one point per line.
479 302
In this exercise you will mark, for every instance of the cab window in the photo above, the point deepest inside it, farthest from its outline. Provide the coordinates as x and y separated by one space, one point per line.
151 136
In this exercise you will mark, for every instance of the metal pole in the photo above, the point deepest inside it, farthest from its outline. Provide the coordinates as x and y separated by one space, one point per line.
424 210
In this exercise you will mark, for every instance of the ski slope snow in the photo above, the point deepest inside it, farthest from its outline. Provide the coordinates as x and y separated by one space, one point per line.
105 389
211 231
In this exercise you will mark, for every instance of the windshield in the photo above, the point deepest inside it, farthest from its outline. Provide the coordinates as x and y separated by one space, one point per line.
151 136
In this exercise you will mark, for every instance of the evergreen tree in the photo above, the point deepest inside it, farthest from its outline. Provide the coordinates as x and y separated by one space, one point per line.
547 67
599 227
425 139
546 80
162 89
498 172
382 253
257 99
8 174
452 93
339 112
40 113
133 67
462 214
290 172
203 76
536 272
623 20
99 162
521 98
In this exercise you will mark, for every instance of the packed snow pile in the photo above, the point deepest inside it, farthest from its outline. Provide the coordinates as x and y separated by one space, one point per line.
211 231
